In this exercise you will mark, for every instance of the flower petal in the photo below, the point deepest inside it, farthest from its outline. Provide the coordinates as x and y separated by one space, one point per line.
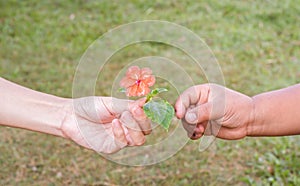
145 73
132 91
133 72
127 82
150 81
143 89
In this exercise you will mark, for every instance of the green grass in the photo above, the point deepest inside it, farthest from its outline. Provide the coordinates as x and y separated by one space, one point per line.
256 42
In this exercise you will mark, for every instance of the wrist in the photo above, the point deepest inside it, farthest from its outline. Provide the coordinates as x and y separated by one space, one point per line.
53 113
255 125
67 111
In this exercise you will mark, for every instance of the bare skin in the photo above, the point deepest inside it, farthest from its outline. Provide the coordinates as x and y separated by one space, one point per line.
112 123
235 115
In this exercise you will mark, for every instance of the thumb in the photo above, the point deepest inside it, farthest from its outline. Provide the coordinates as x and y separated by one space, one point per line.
136 108
113 105
199 114
118 106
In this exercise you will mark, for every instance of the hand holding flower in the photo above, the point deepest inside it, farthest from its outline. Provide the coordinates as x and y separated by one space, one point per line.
96 123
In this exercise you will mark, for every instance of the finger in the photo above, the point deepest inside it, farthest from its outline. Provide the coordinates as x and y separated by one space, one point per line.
183 102
200 128
215 129
201 113
117 106
195 132
128 138
188 128
134 130
212 128
188 111
119 134
196 136
192 96
139 115
231 134
140 102
136 108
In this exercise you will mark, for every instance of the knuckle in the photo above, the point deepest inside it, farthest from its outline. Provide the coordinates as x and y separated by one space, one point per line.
141 141
203 113
147 132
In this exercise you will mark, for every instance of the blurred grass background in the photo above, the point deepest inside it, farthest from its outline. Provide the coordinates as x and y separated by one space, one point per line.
256 42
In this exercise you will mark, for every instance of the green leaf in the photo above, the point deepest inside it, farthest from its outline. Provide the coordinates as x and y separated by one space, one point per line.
159 111
158 90
122 90
155 92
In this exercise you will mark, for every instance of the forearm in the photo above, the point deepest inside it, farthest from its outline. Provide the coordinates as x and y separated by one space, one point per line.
28 109
276 113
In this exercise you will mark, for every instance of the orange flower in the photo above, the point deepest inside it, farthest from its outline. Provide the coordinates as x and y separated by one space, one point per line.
137 81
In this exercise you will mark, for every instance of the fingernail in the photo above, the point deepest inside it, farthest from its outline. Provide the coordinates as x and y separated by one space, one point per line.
191 117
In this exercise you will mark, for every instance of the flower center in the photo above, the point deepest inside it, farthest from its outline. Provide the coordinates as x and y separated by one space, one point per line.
138 82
